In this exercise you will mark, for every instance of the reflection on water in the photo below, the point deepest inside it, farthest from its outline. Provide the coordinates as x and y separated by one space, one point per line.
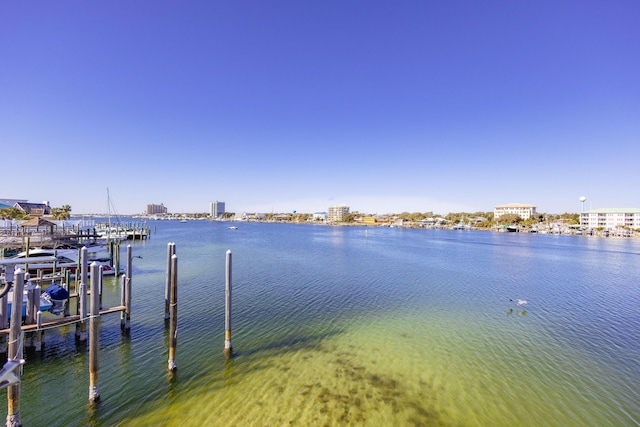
355 326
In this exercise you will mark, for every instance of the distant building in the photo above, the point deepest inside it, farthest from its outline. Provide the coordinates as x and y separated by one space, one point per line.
320 216
611 218
216 209
156 209
522 210
336 213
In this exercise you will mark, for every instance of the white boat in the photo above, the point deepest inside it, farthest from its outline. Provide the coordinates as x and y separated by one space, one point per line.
233 227
46 262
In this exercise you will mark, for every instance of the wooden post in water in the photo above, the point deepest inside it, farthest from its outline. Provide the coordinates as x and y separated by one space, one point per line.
228 349
94 339
171 251
117 256
81 327
67 286
127 305
15 349
4 320
125 320
173 315
37 338
110 248
129 265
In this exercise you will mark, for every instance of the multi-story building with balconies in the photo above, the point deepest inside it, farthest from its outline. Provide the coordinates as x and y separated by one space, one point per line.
336 213
154 209
522 210
611 218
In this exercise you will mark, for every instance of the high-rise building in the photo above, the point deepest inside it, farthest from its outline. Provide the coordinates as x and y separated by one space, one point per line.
216 209
336 213
156 209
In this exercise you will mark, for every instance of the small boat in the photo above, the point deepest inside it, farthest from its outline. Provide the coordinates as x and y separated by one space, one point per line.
47 261
233 227
45 304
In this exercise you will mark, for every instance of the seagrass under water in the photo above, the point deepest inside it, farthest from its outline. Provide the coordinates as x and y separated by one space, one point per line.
361 326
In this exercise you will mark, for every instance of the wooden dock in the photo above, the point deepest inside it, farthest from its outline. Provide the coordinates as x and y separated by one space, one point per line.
67 320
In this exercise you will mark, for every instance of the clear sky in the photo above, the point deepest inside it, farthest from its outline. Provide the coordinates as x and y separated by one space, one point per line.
385 106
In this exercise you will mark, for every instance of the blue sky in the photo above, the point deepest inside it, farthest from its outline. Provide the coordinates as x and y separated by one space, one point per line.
298 105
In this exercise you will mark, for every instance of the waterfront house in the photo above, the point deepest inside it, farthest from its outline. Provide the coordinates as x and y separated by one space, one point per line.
34 209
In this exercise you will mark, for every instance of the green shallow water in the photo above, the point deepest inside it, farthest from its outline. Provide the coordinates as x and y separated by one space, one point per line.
399 370
338 327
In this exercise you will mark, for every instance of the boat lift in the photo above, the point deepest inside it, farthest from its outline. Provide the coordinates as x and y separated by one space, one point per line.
7 267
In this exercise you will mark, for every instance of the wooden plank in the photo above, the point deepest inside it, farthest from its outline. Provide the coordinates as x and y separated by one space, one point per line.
64 320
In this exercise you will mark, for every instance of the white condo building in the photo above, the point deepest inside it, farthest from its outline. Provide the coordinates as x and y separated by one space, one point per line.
611 218
522 210
336 213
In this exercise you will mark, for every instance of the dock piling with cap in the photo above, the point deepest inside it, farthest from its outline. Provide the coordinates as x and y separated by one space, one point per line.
173 314
228 349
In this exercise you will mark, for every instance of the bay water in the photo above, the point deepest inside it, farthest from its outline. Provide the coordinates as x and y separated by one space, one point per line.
337 326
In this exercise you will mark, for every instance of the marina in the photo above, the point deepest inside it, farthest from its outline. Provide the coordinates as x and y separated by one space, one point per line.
359 326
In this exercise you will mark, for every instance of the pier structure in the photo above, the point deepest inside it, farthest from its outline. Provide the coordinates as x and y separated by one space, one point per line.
87 293
33 325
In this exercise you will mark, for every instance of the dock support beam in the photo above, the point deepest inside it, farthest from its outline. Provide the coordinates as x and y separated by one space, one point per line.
173 316
171 251
15 349
94 326
81 327
228 349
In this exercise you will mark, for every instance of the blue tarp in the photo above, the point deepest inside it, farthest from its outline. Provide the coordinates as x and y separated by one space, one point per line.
56 292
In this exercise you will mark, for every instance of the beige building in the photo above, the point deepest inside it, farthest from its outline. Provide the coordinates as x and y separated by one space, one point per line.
336 213
522 210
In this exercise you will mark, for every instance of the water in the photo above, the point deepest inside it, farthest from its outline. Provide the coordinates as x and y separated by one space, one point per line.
360 326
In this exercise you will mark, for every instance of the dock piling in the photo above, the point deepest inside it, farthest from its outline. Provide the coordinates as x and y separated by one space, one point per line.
171 250
36 339
81 327
129 266
127 309
228 349
94 339
15 349
4 321
67 286
173 315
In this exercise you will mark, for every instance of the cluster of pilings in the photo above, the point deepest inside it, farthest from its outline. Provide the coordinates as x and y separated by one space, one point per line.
90 316
29 330
171 305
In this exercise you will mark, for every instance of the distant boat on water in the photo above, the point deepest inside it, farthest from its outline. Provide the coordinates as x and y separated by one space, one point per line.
233 227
